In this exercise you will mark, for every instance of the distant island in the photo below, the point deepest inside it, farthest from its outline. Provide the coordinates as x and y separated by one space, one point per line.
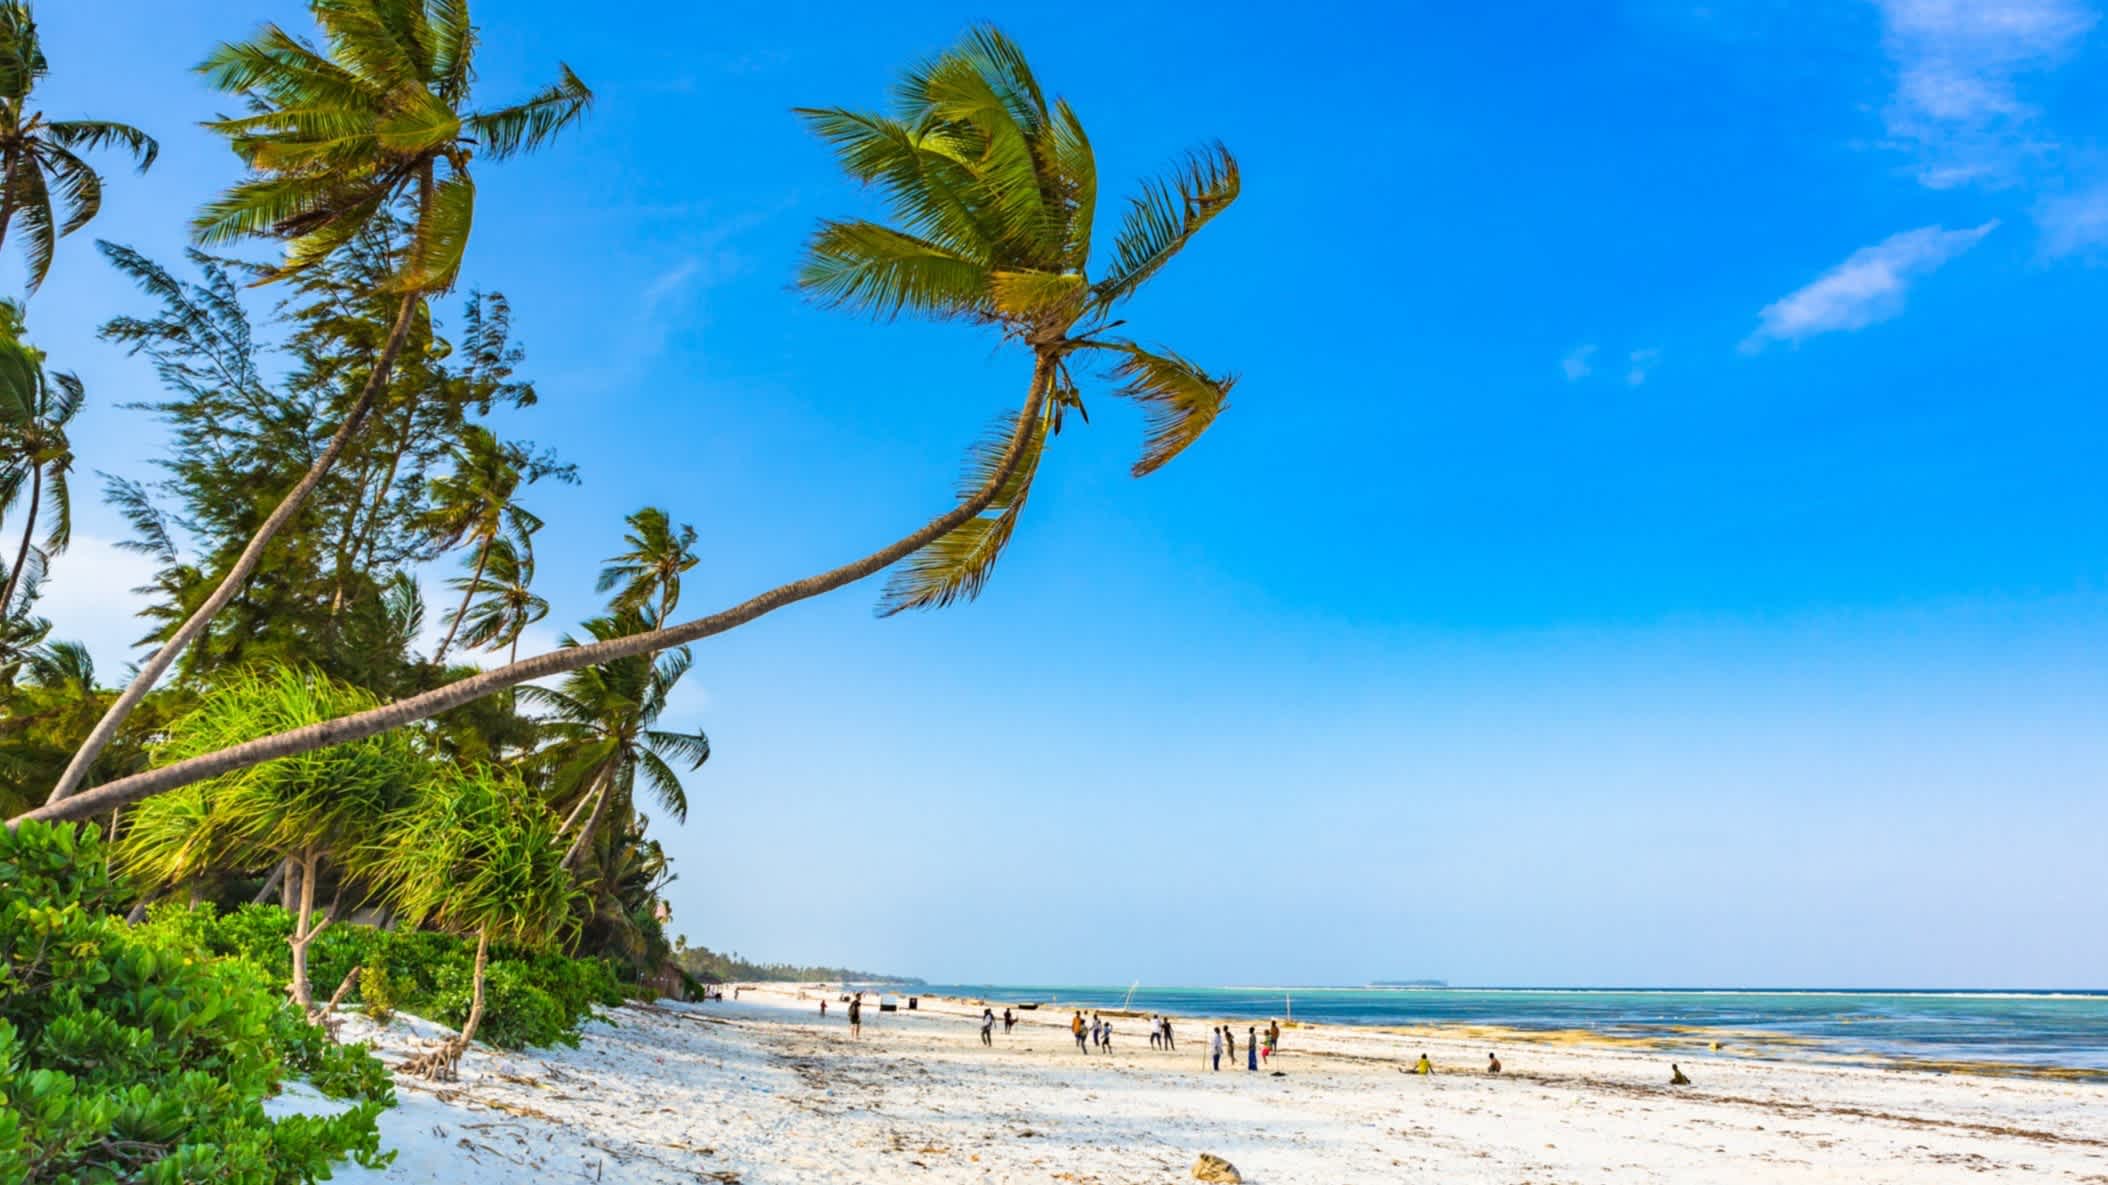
1409 983
709 966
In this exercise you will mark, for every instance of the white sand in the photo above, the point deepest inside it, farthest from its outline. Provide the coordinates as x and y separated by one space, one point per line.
759 1091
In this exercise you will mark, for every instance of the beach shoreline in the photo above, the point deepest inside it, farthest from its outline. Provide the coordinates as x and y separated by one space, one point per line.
761 1090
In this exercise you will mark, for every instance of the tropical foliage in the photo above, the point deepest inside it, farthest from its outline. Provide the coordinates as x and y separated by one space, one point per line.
314 800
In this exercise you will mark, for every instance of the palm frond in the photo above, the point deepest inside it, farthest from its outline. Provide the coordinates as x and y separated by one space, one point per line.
957 565
1165 216
527 126
92 134
1179 400
865 266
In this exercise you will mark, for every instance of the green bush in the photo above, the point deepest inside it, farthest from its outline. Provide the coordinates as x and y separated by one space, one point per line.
132 1055
532 998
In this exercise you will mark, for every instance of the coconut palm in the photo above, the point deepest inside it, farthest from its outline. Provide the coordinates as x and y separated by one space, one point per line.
475 853
501 601
35 407
373 126
39 156
474 505
648 575
602 722
994 191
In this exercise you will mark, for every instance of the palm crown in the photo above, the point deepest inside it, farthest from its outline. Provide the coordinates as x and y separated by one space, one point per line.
995 193
335 139
39 155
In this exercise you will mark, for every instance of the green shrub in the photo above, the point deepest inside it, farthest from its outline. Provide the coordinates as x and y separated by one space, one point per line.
377 991
532 998
132 1054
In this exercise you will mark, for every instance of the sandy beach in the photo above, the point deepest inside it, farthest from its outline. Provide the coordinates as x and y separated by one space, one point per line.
761 1091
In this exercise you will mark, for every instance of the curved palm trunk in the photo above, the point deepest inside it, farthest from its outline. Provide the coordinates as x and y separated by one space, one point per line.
419 707
475 1004
14 574
305 928
603 794
467 594
152 670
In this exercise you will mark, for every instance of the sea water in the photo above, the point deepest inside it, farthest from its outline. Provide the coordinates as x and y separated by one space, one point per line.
2067 1030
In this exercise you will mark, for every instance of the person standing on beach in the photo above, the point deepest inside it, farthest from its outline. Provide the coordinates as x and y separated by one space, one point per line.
823 1009
1107 1043
1229 1037
1215 1046
1169 1042
1156 1032
1273 1035
1251 1048
1076 1027
987 1026
1009 1021
856 1016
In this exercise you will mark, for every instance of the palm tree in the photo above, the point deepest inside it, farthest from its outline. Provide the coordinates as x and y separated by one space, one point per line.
474 854
603 720
375 128
508 603
35 408
304 812
39 155
650 571
996 193
473 504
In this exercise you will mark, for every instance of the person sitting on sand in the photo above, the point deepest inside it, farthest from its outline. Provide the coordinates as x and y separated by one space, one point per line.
1251 1048
1676 1077
1076 1027
987 1026
1423 1066
1492 1064
1215 1045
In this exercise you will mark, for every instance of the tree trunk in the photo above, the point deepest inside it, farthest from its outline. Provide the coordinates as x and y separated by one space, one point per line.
606 792
14 574
467 595
427 704
297 987
270 883
151 671
475 1003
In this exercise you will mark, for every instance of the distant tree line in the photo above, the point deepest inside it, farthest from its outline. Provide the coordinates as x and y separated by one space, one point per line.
708 966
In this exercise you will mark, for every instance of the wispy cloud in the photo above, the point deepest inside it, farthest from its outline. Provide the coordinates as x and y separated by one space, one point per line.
2075 223
1639 364
1575 365
1866 288
1957 103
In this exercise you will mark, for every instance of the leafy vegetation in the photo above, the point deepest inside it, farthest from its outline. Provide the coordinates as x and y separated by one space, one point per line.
128 1054
305 807
709 966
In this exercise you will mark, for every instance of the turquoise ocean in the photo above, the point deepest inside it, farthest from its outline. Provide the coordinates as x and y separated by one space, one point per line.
2063 1030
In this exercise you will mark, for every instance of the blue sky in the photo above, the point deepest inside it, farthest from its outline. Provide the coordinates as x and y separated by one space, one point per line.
1659 535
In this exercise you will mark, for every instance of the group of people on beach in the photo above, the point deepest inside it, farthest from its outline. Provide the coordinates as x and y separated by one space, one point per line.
1257 1046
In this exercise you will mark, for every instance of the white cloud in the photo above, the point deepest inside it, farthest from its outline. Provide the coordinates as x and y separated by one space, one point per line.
1866 288
1958 63
2075 223
89 599
1575 365
1640 364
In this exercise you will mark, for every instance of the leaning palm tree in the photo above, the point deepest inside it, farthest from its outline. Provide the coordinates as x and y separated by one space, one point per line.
372 127
474 854
474 505
994 190
501 602
603 721
648 575
35 408
39 155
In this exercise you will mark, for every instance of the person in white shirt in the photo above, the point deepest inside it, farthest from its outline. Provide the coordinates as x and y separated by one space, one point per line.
1215 1046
